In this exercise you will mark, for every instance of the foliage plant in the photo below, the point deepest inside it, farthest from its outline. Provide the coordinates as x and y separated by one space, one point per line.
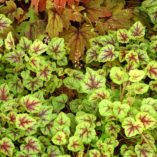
108 108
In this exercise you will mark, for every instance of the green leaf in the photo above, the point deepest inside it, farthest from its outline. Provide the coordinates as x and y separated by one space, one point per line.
107 53
151 70
132 127
24 44
4 92
132 57
6 146
9 42
136 75
4 22
123 36
137 31
118 75
59 138
94 153
75 144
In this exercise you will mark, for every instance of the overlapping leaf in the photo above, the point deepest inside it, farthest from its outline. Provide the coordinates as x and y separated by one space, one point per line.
4 22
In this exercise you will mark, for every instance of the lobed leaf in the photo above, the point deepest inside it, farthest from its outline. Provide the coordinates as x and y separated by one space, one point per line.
136 75
59 138
4 22
123 36
151 69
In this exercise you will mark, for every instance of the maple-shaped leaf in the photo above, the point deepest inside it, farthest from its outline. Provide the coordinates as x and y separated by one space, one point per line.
6 146
55 24
24 43
151 70
56 48
92 81
85 132
15 58
123 36
94 153
24 121
137 31
146 119
9 41
106 108
31 103
78 40
4 92
37 48
107 53
118 75
75 144
32 145
136 75
4 22
94 11
59 138
99 95
132 57
132 127
144 150
92 54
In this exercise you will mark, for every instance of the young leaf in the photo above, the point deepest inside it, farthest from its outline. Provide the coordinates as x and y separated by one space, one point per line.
94 153
107 53
4 92
75 144
6 146
136 75
146 119
151 69
132 127
92 81
123 36
56 48
4 22
37 48
9 42
137 31
59 138
32 145
118 75
24 121
31 104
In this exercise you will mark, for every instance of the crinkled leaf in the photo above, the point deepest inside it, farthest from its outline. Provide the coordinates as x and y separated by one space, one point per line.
4 22
6 146
123 36
136 75
9 41
59 138
132 57
132 127
118 75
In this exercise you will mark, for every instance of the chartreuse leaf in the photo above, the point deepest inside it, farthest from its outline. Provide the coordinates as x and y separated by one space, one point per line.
4 92
24 121
59 138
137 31
146 119
132 57
106 108
136 75
153 46
9 42
129 153
56 48
92 81
94 153
118 75
31 104
53 150
4 22
6 146
123 36
37 48
151 70
132 127
85 132
107 53
32 145
24 44
153 85
75 144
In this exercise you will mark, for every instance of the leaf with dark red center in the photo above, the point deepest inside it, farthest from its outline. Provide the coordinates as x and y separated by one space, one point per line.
132 127
9 42
153 46
11 117
75 144
6 146
143 56
4 22
94 153
151 69
4 92
123 36
59 138
153 85
31 103
137 31
92 81
107 53
132 57
37 48
24 44
146 119
32 145
24 121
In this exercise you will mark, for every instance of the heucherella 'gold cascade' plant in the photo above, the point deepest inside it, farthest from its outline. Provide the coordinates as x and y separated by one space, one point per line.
108 109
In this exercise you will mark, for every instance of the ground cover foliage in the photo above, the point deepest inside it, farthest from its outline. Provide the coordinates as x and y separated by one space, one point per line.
53 106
